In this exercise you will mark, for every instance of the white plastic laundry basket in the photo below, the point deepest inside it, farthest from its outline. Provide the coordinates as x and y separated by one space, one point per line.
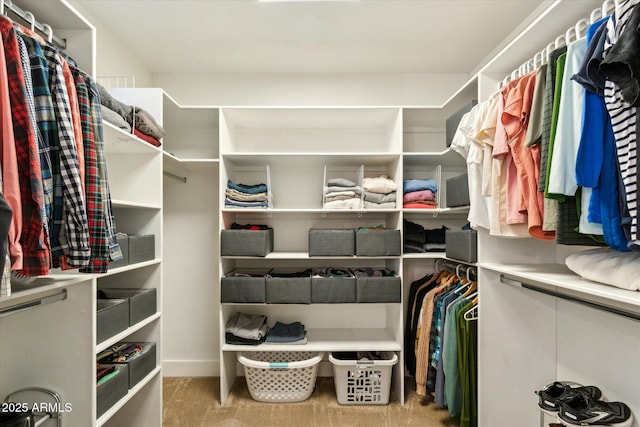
280 376
363 382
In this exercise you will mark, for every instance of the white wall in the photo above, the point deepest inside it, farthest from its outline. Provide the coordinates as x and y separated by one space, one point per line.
113 58
310 89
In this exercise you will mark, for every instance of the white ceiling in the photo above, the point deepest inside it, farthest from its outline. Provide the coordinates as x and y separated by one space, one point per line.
375 36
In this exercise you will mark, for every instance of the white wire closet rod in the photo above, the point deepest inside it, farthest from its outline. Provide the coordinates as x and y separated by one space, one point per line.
27 17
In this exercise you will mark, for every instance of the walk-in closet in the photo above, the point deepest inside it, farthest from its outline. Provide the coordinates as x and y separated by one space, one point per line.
326 212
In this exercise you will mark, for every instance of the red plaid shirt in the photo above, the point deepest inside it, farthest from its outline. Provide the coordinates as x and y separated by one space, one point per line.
36 253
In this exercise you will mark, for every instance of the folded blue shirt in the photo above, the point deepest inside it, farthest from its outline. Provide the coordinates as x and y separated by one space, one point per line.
409 185
249 189
286 332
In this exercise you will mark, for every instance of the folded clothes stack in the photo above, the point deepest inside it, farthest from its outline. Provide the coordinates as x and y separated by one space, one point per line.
341 193
246 196
417 239
373 272
331 272
287 333
419 193
132 119
379 192
246 329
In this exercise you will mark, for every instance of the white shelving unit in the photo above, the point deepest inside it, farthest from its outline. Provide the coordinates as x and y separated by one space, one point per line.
54 345
303 146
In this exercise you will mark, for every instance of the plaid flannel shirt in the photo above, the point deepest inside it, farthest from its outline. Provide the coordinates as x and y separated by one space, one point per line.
36 254
45 118
110 219
99 260
70 230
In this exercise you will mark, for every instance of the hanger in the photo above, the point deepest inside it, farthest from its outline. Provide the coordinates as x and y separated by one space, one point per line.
596 14
570 35
49 32
31 19
608 7
560 41
581 28
469 270
472 313
537 60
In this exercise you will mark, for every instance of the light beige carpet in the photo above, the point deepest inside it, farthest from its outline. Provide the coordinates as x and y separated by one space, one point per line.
195 402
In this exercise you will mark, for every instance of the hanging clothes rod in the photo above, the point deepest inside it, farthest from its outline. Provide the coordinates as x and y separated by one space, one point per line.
62 295
583 301
174 176
574 33
27 17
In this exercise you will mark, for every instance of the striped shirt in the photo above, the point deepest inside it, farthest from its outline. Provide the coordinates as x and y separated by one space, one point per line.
623 119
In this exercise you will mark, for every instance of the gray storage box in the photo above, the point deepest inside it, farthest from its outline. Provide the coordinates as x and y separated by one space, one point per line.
288 290
140 366
462 245
453 121
377 289
109 393
246 242
142 247
458 191
112 317
332 242
123 241
333 289
248 287
142 302
385 242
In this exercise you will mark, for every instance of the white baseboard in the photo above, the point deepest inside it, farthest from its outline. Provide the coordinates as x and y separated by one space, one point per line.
190 368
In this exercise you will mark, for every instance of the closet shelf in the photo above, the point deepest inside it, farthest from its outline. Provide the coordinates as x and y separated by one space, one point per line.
124 334
134 205
131 393
311 158
130 267
560 276
424 255
305 255
332 340
117 141
357 212
37 287
171 160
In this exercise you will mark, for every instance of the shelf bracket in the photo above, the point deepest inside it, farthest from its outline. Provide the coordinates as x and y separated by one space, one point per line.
583 301
13 309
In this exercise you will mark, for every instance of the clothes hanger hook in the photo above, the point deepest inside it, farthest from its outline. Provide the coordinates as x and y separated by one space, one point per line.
458 269
595 15
48 31
31 19
608 7
469 269
581 28
560 41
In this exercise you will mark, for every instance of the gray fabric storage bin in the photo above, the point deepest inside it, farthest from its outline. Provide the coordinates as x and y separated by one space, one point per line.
462 245
288 290
333 289
246 242
377 289
123 241
384 242
244 289
458 191
140 366
112 391
332 242
112 317
142 302
451 125
142 247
